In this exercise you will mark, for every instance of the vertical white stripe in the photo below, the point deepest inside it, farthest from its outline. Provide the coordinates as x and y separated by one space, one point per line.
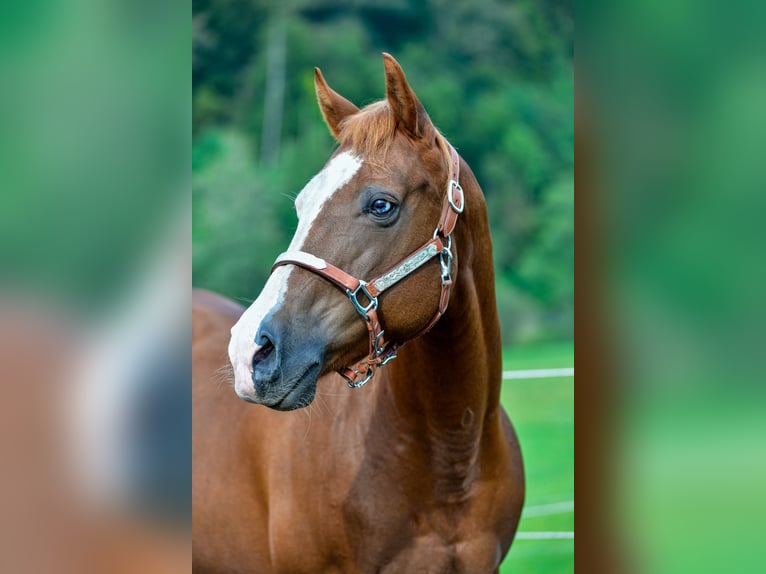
337 173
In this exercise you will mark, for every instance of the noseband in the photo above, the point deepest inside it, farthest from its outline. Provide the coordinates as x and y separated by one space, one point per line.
382 352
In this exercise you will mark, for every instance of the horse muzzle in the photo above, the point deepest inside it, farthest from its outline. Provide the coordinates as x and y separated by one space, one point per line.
285 368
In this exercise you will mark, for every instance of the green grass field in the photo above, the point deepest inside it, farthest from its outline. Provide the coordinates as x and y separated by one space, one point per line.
542 411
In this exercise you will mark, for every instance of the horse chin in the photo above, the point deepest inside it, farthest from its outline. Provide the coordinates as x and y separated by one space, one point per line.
301 395
285 394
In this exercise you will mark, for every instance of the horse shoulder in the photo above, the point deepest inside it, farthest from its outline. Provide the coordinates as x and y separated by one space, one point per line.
505 483
484 533
226 530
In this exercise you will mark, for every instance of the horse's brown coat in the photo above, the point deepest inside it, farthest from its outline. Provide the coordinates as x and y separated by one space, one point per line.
419 471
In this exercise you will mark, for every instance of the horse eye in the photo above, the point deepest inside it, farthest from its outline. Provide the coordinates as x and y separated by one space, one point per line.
381 207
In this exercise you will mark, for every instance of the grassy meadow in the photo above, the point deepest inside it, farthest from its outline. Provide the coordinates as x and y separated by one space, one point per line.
542 411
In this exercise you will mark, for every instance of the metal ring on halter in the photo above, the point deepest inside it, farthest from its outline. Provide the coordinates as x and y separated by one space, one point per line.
352 295
453 185
364 381
437 233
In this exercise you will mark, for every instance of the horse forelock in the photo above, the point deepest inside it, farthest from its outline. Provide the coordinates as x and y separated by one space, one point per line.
370 131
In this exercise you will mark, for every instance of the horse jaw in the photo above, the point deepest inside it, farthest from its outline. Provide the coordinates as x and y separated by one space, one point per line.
242 347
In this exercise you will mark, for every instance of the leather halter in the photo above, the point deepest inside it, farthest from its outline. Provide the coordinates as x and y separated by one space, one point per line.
382 352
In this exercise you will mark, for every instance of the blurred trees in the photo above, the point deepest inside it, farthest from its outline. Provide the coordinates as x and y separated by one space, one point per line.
495 76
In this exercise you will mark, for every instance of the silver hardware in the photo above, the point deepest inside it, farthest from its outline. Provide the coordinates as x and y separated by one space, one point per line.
445 258
364 381
388 360
362 309
437 231
377 347
451 187
406 267
370 371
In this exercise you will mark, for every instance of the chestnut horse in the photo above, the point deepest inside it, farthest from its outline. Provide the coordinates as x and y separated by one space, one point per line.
417 471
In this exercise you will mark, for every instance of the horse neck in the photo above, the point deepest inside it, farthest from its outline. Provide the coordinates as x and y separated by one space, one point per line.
445 386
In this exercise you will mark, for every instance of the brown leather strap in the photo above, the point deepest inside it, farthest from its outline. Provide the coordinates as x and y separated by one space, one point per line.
454 200
412 262
351 285
319 266
443 302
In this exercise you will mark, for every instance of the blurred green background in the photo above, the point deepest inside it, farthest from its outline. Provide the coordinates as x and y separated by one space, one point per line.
674 111
94 146
496 77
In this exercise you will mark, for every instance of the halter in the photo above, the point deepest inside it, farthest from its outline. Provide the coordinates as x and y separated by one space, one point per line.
382 352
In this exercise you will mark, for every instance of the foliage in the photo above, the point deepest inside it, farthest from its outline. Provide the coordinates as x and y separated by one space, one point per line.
496 77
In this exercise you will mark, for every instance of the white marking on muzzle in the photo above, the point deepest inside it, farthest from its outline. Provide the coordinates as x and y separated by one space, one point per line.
242 348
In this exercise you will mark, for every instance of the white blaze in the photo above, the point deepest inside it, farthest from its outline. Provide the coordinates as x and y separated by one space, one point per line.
322 186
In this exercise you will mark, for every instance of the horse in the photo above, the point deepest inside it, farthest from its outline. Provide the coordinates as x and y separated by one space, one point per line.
388 286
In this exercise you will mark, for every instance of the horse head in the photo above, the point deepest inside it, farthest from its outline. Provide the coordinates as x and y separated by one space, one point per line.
377 200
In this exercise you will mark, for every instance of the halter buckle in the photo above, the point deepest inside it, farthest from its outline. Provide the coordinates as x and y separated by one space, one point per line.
354 297
454 185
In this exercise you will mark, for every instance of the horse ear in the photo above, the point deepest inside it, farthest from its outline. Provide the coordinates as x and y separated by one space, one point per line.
409 112
335 108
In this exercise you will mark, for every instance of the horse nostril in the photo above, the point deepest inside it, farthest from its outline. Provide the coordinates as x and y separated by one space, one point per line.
263 353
